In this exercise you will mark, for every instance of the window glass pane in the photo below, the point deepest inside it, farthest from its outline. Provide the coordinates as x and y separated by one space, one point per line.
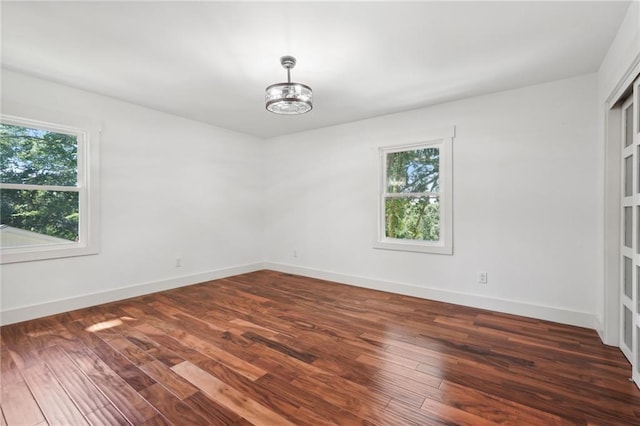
412 218
637 233
628 226
37 157
37 217
413 171
628 176
638 172
638 287
638 349
627 277
628 327
628 125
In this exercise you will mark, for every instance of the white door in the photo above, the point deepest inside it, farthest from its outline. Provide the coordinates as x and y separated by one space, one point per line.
630 239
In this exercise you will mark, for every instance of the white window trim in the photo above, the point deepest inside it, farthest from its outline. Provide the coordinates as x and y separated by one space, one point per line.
445 245
88 186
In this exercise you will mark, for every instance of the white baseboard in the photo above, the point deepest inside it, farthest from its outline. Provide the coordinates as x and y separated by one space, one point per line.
607 338
25 313
564 316
549 313
599 328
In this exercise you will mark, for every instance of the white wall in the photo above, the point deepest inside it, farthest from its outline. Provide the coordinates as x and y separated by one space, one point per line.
622 52
171 188
618 68
525 165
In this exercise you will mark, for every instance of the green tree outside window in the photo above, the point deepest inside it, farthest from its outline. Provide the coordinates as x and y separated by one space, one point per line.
36 168
411 204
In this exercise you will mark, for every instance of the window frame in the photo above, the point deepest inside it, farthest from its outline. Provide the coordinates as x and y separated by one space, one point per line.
87 186
445 195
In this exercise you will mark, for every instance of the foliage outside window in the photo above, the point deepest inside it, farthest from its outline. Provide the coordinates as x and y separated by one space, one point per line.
44 208
415 198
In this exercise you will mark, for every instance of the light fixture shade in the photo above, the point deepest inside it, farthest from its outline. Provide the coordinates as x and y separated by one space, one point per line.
288 98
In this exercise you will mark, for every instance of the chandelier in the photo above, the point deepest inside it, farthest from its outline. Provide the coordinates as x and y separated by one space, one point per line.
288 98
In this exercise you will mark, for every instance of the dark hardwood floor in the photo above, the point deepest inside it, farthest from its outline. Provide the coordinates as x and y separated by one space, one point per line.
268 348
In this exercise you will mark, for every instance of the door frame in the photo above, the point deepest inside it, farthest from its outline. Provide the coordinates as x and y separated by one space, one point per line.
609 329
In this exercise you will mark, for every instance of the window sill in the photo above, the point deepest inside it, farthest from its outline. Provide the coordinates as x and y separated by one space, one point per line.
44 253
411 246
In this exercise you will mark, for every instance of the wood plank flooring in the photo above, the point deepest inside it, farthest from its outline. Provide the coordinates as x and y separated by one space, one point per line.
268 348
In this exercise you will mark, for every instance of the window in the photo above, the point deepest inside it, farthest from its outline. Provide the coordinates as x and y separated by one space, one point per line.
48 206
415 211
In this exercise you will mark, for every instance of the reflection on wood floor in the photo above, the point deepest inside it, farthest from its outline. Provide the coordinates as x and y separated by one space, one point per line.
268 348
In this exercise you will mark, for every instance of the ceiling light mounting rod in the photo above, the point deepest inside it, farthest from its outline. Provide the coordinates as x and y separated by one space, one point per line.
288 62
288 98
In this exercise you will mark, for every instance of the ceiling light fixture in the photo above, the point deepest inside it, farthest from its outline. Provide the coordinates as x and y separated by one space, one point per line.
288 98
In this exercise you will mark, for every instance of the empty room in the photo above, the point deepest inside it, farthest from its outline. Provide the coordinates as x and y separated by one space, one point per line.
320 213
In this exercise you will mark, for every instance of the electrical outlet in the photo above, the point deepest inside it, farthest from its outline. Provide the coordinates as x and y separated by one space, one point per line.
295 253
178 262
482 277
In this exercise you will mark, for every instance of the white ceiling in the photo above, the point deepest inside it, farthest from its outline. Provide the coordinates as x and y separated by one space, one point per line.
211 61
